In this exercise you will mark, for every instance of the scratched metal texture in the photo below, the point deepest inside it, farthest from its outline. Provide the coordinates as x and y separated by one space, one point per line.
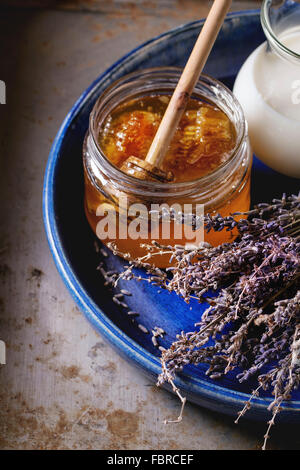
62 386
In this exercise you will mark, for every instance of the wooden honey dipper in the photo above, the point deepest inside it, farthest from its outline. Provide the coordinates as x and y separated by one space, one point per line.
150 168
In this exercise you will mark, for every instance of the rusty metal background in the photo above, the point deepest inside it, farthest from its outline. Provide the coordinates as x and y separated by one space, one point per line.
62 386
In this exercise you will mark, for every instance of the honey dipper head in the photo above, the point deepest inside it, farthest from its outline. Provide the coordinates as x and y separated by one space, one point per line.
143 170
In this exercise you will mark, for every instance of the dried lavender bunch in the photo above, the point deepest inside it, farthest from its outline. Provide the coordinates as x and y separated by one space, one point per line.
281 215
256 283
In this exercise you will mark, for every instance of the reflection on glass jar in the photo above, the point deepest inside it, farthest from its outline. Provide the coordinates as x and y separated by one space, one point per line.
224 188
268 88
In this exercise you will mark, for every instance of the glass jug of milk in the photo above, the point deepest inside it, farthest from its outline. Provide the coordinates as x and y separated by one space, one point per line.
268 88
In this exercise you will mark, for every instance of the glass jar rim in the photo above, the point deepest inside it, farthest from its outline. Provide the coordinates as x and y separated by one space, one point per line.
159 186
270 34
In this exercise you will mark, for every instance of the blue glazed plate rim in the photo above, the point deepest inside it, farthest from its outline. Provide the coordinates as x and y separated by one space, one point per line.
124 344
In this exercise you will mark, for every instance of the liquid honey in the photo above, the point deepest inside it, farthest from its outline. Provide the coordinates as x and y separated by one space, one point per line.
202 143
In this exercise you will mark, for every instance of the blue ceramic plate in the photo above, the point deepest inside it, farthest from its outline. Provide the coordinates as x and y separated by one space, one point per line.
71 240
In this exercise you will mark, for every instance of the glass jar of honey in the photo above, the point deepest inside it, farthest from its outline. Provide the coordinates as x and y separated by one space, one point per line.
209 160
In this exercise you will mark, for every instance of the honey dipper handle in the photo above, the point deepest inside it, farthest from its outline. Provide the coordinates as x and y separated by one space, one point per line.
187 82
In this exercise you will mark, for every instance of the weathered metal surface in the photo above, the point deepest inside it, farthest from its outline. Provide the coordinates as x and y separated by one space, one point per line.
151 7
62 386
